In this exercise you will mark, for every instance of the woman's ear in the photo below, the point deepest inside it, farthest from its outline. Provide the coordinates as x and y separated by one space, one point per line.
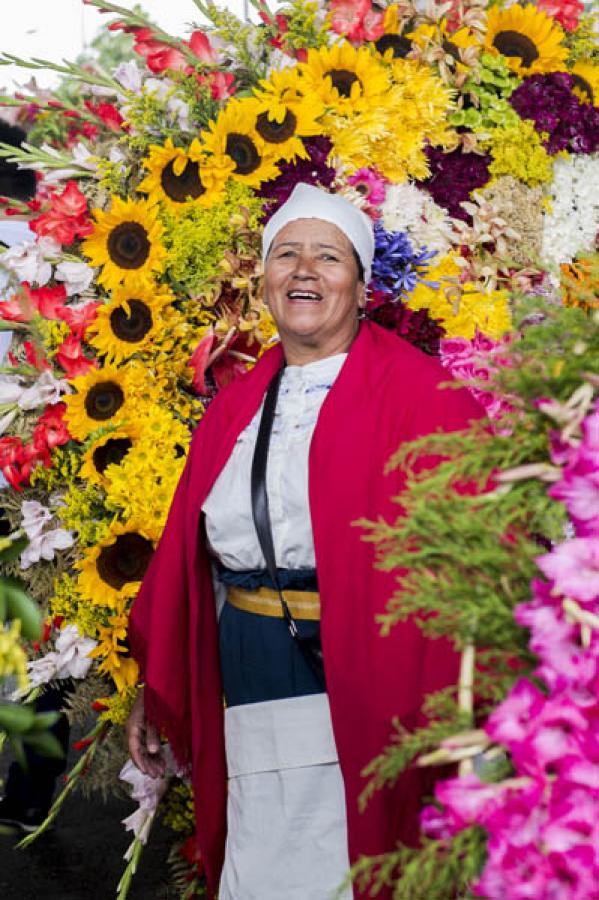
361 294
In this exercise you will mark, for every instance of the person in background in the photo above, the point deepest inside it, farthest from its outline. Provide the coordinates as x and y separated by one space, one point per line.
27 794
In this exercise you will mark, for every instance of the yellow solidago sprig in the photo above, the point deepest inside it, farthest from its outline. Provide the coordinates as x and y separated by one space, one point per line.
130 321
126 242
68 603
13 659
178 808
518 150
82 510
461 309
114 653
117 707
177 176
197 240
112 570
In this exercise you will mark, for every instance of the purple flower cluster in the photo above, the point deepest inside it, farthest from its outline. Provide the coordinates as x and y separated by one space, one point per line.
397 267
543 824
414 326
313 170
551 104
453 176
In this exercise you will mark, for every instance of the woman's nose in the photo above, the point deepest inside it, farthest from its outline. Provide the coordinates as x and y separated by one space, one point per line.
304 267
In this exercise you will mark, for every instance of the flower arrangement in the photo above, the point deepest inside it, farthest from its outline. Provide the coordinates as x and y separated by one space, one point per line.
469 135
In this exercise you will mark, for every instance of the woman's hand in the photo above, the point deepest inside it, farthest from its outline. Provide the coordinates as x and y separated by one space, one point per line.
144 741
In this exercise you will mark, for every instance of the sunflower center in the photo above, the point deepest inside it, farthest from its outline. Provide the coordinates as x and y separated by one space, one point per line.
399 44
186 186
103 400
124 561
131 328
514 43
451 49
111 453
276 132
583 85
128 245
343 80
243 152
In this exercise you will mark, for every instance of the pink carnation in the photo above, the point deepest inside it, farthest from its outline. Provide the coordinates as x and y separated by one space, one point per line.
574 568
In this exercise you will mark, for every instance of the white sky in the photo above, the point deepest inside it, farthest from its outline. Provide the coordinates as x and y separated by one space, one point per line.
60 29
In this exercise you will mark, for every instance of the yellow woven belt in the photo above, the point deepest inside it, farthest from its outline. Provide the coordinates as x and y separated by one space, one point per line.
265 602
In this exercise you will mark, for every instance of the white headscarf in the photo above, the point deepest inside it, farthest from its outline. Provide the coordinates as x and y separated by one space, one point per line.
309 202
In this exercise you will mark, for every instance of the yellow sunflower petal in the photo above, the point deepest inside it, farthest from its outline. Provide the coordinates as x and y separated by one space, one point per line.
530 40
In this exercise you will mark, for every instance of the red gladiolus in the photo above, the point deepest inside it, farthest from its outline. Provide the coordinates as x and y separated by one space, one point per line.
34 357
203 49
67 218
51 430
357 20
49 301
83 744
71 358
99 705
10 450
191 854
567 12
78 318
17 309
220 84
108 113
200 360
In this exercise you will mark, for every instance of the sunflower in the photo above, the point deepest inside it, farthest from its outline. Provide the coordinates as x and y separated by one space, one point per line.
393 44
110 449
284 114
177 176
126 242
346 79
586 81
129 322
233 140
530 40
114 568
102 397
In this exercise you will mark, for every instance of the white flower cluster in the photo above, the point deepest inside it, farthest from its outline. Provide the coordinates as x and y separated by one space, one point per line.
42 544
407 208
573 222
69 659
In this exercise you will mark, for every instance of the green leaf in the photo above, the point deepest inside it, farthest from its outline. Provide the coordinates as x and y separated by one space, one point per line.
14 550
20 606
44 743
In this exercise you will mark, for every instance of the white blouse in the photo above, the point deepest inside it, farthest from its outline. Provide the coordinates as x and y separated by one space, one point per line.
228 507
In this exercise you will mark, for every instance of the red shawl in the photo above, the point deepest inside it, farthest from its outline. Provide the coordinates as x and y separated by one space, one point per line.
386 393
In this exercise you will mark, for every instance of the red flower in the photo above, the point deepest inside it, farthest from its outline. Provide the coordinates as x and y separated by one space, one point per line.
71 358
108 113
10 452
567 12
81 745
49 301
17 309
99 705
357 20
191 854
203 49
200 360
51 430
34 358
220 84
67 217
78 318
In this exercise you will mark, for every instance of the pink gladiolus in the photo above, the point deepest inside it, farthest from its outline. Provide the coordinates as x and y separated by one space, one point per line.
574 568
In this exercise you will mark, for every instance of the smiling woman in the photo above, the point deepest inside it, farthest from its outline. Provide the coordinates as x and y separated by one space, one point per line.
288 457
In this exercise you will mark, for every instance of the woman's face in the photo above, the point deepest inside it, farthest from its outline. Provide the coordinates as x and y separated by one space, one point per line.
312 288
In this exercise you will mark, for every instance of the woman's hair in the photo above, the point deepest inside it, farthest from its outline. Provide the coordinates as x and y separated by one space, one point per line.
18 184
358 263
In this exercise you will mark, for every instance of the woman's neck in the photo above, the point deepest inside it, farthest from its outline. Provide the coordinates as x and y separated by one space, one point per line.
301 352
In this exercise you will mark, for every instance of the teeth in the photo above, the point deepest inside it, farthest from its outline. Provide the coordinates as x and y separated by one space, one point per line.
302 295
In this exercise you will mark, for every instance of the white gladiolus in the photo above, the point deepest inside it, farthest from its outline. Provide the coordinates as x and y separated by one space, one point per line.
31 261
77 276
70 659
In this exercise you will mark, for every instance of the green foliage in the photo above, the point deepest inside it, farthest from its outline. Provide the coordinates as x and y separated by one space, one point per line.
487 90
437 870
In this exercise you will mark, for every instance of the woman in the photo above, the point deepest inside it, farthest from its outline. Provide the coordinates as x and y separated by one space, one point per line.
300 724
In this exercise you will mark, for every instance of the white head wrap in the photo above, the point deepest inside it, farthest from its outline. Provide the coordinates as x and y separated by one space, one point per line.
309 202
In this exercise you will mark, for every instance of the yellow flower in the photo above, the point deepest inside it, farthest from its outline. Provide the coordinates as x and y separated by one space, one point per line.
177 176
461 309
530 40
284 114
586 81
458 45
112 570
519 151
233 140
108 450
392 44
115 662
102 397
345 78
130 321
126 242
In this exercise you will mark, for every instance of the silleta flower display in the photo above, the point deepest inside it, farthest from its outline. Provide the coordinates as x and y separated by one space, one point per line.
469 134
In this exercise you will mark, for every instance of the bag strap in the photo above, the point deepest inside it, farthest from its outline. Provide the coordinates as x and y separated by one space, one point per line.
260 508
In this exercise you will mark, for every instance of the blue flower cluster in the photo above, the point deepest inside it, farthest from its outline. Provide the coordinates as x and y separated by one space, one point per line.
397 268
